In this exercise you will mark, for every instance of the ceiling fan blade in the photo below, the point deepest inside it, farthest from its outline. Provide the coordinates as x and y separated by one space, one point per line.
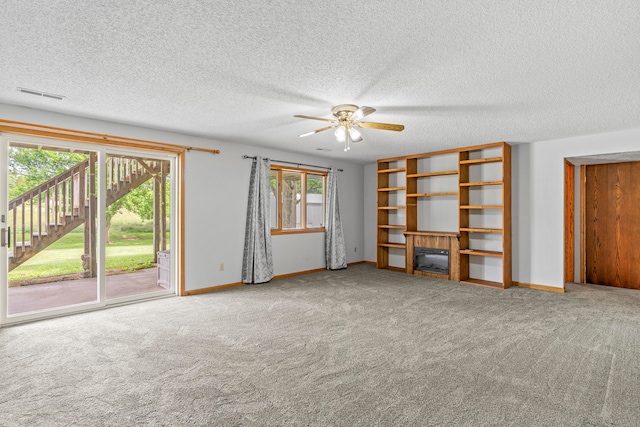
383 126
315 118
317 131
362 112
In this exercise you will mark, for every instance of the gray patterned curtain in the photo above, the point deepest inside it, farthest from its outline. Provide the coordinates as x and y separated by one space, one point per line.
257 263
335 250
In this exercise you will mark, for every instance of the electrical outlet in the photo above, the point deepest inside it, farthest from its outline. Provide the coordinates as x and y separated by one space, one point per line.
355 249
221 266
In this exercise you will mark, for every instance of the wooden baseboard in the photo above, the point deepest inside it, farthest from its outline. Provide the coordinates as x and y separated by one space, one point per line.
316 270
298 273
213 288
280 276
538 287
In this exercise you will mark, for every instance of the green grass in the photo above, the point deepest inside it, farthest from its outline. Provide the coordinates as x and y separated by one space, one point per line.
132 249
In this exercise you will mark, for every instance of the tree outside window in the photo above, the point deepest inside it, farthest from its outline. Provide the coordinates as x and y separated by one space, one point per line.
297 200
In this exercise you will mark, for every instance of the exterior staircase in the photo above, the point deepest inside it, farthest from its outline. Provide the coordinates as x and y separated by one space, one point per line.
46 213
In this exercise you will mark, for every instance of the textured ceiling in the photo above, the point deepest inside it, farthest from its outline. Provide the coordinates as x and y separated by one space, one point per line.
455 73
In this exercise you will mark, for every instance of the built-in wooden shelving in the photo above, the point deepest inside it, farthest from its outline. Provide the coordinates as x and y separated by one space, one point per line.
392 245
478 184
476 164
406 184
481 207
478 161
440 194
428 174
392 170
392 189
391 208
481 230
480 253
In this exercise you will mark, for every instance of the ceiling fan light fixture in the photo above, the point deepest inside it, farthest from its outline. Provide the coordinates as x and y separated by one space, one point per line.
347 117
355 135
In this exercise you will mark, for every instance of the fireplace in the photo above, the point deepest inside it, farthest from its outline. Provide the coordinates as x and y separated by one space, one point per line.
431 260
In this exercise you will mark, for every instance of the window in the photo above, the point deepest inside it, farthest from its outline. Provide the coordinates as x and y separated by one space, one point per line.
297 200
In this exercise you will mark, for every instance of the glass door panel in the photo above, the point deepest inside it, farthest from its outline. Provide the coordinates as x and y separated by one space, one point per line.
50 227
137 226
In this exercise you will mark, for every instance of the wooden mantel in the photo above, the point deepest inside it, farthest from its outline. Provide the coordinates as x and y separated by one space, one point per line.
437 240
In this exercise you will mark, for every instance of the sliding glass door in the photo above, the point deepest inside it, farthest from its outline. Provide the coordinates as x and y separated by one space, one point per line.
82 227
137 226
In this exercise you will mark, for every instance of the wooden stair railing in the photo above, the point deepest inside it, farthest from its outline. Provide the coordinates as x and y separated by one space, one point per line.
46 213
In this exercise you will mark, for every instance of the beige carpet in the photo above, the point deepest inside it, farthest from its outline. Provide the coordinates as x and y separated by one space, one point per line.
357 347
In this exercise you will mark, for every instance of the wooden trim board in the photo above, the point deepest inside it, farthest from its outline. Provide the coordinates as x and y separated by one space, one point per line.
569 221
181 226
583 224
280 276
31 129
538 287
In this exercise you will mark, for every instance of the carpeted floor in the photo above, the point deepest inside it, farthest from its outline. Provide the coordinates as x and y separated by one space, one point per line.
358 347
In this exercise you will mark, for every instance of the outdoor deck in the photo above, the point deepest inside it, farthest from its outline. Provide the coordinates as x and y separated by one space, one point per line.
24 299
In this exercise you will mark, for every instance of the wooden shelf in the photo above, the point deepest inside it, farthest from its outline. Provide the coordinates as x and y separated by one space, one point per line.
479 252
432 233
392 170
392 189
481 230
391 268
445 193
392 245
478 161
400 227
476 184
481 207
391 208
428 174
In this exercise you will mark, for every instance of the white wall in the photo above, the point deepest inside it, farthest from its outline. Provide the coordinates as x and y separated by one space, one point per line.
538 202
216 201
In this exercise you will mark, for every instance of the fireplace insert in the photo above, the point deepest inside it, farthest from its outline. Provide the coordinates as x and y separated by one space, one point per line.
431 260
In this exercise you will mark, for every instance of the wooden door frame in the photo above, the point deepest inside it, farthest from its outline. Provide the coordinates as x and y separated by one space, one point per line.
570 223
583 226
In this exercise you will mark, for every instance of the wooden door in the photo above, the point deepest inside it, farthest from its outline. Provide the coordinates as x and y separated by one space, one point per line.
612 217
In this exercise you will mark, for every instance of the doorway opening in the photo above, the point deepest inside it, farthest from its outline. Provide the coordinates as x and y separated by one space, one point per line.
85 226
601 219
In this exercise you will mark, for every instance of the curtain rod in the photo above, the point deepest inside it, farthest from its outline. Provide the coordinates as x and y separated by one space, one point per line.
293 163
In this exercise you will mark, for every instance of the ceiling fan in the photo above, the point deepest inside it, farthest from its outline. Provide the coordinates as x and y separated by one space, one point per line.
347 117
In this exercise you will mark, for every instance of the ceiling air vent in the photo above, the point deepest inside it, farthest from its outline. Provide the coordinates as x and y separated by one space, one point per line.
39 93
